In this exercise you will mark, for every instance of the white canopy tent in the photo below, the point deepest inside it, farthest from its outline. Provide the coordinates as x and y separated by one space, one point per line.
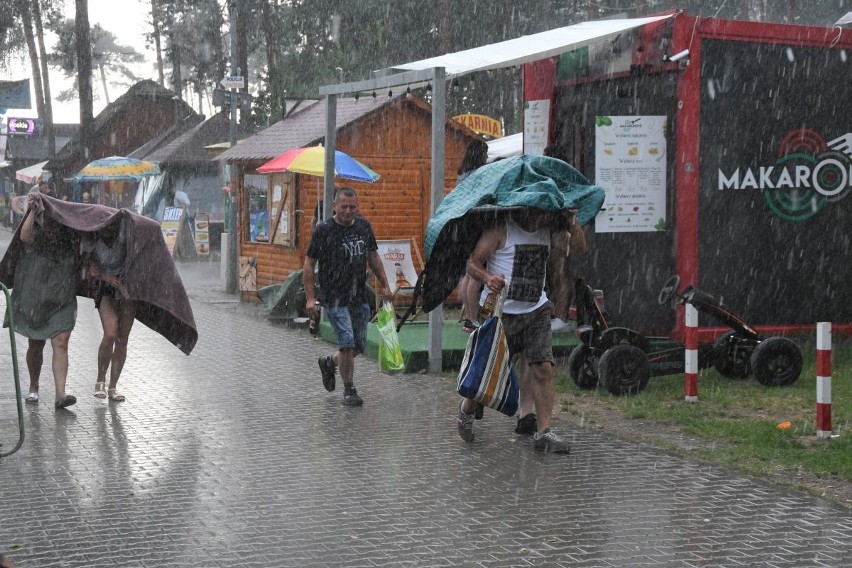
31 174
845 21
436 71
527 49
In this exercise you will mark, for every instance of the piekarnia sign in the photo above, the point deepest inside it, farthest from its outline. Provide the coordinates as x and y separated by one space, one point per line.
808 173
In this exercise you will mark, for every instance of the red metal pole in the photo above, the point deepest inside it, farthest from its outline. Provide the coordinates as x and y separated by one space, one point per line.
691 354
823 370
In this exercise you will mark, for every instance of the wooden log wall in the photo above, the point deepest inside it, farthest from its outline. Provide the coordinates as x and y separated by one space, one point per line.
397 144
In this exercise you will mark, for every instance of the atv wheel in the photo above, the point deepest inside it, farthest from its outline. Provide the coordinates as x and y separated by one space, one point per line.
731 357
624 369
776 362
581 368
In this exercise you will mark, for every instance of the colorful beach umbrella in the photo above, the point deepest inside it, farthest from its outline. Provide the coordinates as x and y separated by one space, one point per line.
311 161
116 168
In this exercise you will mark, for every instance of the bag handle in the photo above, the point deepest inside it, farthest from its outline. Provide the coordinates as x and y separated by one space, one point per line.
501 297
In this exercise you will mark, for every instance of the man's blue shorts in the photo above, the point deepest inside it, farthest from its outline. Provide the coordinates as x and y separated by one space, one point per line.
350 326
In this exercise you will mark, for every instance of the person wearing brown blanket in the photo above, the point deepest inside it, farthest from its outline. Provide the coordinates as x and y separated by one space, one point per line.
104 254
44 300
149 277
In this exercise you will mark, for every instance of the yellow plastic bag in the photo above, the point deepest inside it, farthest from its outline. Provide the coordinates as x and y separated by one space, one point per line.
390 353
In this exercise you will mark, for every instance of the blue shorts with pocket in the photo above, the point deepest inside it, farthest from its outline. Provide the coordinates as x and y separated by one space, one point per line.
350 326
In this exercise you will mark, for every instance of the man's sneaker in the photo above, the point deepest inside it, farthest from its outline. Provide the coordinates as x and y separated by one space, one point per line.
351 398
469 326
327 368
547 441
527 425
465 424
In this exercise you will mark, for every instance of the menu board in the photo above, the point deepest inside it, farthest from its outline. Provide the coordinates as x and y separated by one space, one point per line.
536 121
630 165
202 234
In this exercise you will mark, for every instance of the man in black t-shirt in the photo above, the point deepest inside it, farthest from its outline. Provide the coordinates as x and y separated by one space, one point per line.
344 246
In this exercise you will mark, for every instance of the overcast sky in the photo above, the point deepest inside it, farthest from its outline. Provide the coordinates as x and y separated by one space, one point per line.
128 20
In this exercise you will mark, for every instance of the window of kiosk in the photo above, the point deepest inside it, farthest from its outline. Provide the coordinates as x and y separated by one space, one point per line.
257 212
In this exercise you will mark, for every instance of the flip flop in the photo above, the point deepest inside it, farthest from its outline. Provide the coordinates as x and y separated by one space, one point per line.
100 390
66 401
116 396
32 398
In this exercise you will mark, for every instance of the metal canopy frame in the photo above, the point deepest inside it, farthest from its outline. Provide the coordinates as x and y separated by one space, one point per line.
437 77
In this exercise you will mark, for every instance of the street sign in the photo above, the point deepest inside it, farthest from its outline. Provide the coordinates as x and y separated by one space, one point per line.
235 82
222 98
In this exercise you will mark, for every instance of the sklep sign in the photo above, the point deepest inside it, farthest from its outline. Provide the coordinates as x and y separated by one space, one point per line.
808 173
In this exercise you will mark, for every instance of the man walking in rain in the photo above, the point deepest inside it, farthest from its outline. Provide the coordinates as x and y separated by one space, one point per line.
344 245
523 251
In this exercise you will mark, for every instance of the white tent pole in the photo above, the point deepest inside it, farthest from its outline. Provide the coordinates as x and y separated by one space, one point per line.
439 113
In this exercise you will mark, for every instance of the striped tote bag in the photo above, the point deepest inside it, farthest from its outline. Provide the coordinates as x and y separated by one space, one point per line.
486 374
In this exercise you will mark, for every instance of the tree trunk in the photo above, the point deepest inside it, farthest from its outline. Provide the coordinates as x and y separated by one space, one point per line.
218 50
156 23
48 106
177 80
27 21
277 93
83 47
242 50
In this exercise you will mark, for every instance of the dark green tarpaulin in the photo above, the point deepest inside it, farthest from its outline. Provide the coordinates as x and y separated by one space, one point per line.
524 181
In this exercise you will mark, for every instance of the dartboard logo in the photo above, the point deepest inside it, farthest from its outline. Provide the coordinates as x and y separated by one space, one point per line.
808 174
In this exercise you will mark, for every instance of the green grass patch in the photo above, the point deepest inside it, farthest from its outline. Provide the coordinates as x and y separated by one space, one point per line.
743 416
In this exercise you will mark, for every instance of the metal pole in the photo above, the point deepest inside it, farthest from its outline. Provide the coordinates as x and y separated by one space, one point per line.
231 282
439 113
330 144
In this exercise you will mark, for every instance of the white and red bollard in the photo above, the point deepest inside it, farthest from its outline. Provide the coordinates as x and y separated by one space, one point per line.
823 380
691 353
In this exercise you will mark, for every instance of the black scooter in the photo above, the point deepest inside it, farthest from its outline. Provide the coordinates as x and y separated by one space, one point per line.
622 360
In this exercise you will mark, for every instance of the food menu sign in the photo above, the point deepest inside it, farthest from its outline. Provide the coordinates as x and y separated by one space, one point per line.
630 165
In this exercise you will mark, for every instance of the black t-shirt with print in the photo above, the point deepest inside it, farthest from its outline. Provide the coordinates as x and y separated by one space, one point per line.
341 252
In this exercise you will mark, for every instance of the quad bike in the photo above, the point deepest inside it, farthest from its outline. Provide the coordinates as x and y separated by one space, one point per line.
622 360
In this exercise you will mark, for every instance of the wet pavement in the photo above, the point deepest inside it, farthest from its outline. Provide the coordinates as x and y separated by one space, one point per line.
236 456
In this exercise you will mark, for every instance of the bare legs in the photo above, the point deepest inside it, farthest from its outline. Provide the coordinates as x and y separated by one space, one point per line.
537 391
35 359
344 359
59 362
116 319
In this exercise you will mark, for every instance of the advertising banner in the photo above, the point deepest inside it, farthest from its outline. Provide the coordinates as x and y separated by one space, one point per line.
171 225
775 178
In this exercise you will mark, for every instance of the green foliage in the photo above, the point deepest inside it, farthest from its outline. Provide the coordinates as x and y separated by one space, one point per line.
106 52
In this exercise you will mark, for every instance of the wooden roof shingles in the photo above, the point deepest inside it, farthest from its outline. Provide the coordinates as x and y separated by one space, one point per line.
304 127
188 147
72 151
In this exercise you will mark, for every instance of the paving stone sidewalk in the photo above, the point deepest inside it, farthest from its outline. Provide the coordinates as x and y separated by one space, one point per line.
236 456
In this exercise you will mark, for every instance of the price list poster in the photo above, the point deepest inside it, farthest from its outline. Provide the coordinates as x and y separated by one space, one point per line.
630 165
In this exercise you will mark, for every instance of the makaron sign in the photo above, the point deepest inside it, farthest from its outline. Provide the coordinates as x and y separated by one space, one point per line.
481 124
807 174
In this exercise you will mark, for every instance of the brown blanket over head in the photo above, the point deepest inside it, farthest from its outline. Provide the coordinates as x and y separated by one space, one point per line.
150 276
